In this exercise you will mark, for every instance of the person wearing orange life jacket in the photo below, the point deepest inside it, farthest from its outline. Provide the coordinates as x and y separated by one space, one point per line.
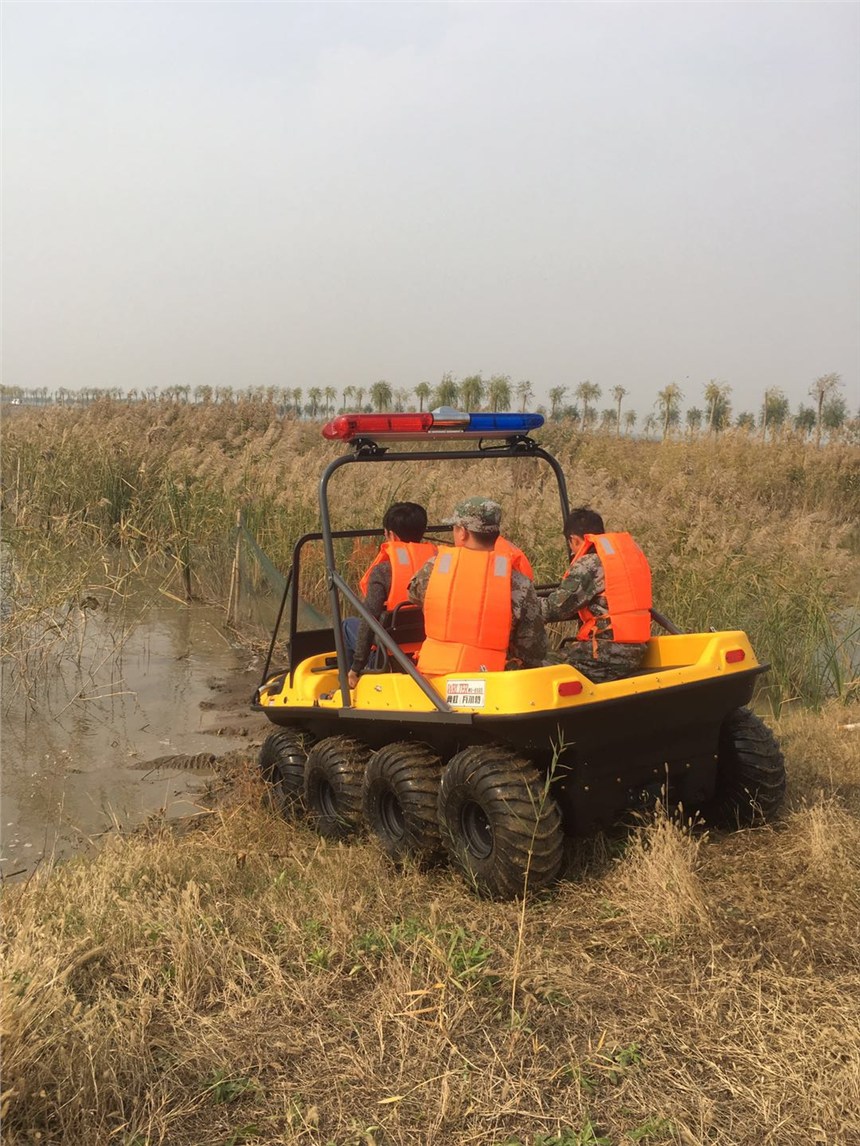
518 558
607 587
480 613
386 580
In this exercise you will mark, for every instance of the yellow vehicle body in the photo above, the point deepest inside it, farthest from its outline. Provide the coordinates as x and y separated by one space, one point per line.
670 661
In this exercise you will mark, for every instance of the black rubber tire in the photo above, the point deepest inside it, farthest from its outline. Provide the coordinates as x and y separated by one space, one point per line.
282 759
500 825
334 776
750 782
400 800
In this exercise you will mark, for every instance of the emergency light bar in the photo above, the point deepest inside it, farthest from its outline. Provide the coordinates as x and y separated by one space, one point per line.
441 423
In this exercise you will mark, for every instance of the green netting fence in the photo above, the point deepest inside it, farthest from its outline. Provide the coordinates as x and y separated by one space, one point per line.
257 589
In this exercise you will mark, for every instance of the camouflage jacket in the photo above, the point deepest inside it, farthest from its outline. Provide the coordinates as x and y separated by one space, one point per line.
583 585
527 644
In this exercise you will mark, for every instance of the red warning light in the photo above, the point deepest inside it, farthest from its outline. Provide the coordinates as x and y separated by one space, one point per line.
348 426
570 688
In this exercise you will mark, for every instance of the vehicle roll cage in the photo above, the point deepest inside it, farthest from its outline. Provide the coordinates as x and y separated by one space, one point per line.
367 451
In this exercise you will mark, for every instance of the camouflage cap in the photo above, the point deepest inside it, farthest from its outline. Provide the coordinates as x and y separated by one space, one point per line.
477 514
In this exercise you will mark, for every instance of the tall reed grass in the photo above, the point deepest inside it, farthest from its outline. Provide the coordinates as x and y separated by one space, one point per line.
739 534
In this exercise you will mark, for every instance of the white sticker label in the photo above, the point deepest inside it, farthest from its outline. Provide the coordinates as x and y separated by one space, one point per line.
466 693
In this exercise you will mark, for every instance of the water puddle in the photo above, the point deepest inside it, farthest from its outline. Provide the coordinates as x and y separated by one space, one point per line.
91 734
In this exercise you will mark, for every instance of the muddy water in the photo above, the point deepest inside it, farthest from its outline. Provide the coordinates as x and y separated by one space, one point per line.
79 739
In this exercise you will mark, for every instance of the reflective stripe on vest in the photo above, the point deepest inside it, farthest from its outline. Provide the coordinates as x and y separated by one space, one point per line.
467 612
519 561
405 559
627 578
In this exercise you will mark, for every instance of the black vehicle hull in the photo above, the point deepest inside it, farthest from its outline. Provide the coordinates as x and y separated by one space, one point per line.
604 757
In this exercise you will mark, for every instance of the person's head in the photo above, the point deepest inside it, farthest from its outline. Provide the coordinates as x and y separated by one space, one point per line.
405 520
581 521
476 522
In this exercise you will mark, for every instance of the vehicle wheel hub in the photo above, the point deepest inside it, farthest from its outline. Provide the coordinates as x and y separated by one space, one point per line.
477 830
391 814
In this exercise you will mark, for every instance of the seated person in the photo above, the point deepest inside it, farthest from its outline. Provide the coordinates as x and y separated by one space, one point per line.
386 579
479 612
608 588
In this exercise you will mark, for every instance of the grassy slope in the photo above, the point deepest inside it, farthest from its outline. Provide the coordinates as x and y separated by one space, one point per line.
252 983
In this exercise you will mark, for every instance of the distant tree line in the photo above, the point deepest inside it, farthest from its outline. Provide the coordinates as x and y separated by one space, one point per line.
828 415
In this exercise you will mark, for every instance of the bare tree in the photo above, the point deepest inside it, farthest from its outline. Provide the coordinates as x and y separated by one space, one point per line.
525 393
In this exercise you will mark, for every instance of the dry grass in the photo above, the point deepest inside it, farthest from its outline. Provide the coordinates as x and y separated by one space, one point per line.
252 983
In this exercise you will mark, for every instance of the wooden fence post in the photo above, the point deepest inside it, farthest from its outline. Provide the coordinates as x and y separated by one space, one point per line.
233 598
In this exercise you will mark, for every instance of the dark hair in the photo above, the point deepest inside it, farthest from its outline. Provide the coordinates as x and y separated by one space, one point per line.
583 520
407 519
487 536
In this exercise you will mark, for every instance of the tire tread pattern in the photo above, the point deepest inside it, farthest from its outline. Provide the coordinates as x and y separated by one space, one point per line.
524 815
750 773
339 762
282 761
411 772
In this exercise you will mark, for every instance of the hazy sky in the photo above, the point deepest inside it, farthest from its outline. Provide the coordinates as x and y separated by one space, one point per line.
330 194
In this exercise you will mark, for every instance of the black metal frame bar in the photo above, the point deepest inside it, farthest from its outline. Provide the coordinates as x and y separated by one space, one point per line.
293 576
369 452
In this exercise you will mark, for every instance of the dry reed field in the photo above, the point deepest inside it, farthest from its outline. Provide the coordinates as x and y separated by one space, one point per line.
244 981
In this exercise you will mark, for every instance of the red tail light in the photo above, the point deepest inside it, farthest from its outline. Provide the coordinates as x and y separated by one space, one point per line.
735 655
570 688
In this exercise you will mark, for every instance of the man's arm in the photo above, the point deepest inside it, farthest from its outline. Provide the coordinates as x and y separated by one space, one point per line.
378 588
528 642
418 585
584 581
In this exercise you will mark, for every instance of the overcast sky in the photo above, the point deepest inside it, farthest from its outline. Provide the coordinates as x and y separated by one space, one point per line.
333 194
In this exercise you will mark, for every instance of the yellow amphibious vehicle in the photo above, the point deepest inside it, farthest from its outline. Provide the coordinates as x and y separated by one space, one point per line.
493 769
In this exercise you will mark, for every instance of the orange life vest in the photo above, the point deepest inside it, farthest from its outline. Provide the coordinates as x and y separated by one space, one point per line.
405 559
467 612
627 576
519 561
